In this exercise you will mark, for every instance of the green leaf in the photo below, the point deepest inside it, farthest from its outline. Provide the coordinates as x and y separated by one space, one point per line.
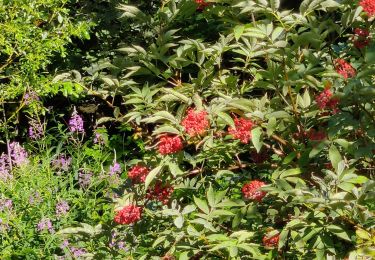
175 169
152 174
339 231
335 157
179 221
256 135
211 196
202 205
226 118
238 30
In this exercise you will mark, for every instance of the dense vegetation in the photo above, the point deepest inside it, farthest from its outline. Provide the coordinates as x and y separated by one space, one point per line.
187 129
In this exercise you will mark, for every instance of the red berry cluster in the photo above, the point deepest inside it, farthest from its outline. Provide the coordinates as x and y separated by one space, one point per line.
201 4
138 173
252 190
272 241
128 215
362 38
170 144
325 100
314 135
242 129
195 122
368 6
344 68
160 193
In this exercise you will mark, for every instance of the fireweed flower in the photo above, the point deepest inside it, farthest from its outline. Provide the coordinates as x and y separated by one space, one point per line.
160 193
5 174
18 154
272 241
195 122
45 224
170 144
77 252
84 179
98 138
36 130
30 97
344 68
242 130
35 198
6 204
62 207
361 38
138 173
128 215
368 6
62 163
252 190
3 226
76 123
114 169
325 100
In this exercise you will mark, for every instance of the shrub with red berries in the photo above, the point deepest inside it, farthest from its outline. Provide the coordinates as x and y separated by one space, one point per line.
368 6
252 190
344 68
325 100
242 129
160 193
170 144
138 173
271 241
128 215
195 122
362 38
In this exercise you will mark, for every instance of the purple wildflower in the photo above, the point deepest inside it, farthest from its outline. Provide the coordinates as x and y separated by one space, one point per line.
36 130
116 168
64 244
18 154
3 226
45 224
6 204
98 138
62 207
5 168
76 123
77 252
62 163
30 97
35 198
84 179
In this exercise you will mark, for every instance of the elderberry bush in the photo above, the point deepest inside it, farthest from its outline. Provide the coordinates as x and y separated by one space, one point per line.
211 130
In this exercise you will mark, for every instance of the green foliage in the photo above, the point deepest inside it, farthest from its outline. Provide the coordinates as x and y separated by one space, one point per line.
307 135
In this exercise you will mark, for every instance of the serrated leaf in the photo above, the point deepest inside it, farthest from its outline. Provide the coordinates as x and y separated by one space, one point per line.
151 176
202 205
256 135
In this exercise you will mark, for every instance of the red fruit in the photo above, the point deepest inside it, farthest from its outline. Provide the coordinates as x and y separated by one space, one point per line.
170 144
272 241
160 193
314 135
128 215
195 122
252 190
325 100
138 173
344 68
242 129
201 4
368 6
